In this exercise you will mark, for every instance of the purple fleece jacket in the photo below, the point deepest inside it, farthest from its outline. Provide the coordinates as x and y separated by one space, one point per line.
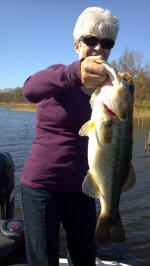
58 157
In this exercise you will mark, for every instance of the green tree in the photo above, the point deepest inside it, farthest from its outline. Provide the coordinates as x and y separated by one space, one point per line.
17 95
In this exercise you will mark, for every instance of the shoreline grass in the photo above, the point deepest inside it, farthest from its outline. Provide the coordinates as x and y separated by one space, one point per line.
28 107
140 110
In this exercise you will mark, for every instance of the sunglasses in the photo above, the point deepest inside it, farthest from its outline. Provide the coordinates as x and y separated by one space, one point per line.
93 41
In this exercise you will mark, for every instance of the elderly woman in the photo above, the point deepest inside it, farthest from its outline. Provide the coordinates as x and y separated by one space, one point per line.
54 171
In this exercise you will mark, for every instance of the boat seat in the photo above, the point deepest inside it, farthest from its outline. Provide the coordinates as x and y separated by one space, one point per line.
11 236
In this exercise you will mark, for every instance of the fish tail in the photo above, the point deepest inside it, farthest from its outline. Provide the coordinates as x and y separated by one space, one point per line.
103 231
108 231
117 231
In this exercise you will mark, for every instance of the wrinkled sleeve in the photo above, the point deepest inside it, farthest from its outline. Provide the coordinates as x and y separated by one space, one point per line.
51 81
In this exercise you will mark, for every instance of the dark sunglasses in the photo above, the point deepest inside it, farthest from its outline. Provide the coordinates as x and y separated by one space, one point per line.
92 41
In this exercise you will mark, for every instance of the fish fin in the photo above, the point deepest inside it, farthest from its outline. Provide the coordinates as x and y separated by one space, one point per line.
130 179
108 231
89 186
87 128
94 95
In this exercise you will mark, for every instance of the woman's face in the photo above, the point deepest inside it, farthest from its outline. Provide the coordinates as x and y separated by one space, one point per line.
83 50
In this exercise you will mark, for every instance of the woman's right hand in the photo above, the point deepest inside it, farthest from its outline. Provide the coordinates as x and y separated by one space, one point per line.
93 73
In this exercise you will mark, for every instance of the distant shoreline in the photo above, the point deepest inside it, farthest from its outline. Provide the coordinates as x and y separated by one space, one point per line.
28 107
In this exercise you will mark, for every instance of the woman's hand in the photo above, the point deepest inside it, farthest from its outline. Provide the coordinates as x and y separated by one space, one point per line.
93 73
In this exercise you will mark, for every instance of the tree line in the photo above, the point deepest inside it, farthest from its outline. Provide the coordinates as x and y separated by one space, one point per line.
132 61
129 61
12 96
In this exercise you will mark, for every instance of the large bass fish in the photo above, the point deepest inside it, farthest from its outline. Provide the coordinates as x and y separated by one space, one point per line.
110 151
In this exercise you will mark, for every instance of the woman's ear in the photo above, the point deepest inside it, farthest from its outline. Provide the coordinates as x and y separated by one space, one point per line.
77 47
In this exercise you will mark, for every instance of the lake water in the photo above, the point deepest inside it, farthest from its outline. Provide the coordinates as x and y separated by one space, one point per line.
16 135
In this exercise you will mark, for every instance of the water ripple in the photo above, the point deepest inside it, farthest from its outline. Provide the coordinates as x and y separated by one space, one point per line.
16 135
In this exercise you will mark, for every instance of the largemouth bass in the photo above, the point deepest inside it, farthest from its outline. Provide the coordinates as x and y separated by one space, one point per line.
110 151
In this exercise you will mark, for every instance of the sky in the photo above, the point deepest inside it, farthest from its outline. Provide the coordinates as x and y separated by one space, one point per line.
35 34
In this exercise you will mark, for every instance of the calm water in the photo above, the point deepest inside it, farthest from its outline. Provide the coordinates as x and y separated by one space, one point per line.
16 135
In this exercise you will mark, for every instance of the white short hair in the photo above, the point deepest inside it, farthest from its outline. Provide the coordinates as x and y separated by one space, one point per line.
96 20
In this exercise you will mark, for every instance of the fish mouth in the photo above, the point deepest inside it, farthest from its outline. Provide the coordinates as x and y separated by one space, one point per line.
111 113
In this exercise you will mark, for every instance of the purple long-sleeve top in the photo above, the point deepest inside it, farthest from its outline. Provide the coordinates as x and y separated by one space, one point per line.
58 157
